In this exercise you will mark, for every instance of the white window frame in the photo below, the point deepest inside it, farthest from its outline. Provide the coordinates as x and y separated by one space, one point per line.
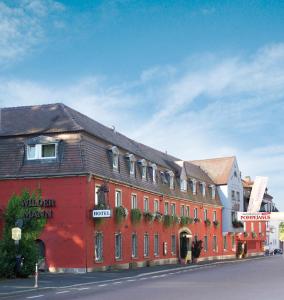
156 244
225 242
182 210
97 187
173 209
205 212
259 227
118 202
134 245
172 175
187 211
213 191
156 206
118 247
215 243
214 215
166 208
252 226
146 245
203 188
173 244
195 212
115 157
38 151
146 203
183 185
193 186
143 169
205 243
99 243
154 173
134 203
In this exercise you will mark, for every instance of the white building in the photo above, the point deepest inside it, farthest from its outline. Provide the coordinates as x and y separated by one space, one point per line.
224 171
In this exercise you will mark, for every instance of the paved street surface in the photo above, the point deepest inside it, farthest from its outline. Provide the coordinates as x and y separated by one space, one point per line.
261 278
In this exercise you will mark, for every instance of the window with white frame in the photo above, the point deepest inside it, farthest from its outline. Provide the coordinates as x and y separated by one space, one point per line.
115 157
259 227
187 211
238 196
214 215
146 244
225 242
215 245
195 212
97 187
118 246
166 208
205 214
245 226
173 244
99 246
146 204
171 175
233 242
193 182
156 244
154 173
213 191
173 209
252 226
182 210
233 195
183 185
118 199
205 243
134 243
42 151
133 201
156 205
202 188
143 168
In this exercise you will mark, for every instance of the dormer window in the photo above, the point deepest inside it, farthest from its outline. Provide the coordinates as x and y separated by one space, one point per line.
171 175
193 183
183 185
42 147
213 191
154 172
132 161
143 168
202 188
115 156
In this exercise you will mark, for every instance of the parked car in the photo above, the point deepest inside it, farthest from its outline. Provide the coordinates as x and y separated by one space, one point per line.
278 251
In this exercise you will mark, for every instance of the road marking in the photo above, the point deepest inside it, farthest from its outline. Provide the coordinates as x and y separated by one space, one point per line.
37 296
156 276
130 280
102 285
143 278
82 289
117 282
62 292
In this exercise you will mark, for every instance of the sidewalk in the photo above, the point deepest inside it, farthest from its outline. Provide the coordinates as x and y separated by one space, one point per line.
10 287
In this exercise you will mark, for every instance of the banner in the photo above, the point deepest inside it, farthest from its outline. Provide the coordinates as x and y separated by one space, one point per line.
260 216
256 196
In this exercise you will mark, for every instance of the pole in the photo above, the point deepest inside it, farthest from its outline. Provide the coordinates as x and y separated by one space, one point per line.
36 276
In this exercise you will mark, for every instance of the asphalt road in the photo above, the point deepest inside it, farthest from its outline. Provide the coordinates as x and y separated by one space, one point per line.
249 280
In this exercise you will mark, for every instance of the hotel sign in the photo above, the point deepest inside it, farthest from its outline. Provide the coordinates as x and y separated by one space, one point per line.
260 216
101 213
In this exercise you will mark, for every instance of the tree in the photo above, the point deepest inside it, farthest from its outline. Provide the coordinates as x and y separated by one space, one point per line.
31 230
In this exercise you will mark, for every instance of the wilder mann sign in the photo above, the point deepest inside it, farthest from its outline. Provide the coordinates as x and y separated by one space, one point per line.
43 203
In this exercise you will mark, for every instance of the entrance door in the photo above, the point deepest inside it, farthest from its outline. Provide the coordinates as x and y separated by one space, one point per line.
41 250
185 245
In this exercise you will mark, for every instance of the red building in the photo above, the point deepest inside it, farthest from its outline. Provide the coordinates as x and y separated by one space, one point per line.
80 165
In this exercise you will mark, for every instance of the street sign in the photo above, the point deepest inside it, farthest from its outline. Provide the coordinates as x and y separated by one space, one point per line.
16 233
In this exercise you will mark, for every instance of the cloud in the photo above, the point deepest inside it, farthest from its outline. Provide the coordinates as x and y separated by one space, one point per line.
204 107
22 26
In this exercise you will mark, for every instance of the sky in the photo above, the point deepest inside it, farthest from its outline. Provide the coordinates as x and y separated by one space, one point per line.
198 79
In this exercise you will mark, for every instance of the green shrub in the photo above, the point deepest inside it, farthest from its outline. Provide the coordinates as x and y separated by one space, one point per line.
120 214
168 221
148 216
135 215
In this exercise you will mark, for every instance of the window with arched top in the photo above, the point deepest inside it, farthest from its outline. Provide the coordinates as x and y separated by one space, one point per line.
154 172
171 176
115 157
143 164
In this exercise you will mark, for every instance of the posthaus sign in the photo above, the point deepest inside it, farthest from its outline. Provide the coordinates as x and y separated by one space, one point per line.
46 204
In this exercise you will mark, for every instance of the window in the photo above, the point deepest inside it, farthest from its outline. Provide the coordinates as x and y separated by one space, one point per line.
213 191
118 246
115 155
41 151
259 226
214 216
233 195
182 211
97 187
195 213
202 188
215 245
132 161
205 214
156 206
99 246
146 244
173 209
187 211
166 208
132 167
143 169
134 245
238 196
205 243
233 242
156 244
118 200
146 204
171 175
173 244
252 226
154 173
193 182
133 201
183 185
225 242
245 226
